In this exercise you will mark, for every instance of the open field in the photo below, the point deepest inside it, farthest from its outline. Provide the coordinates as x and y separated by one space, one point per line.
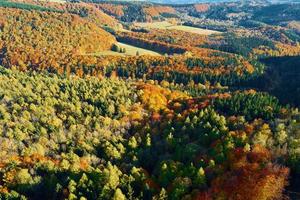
167 25
159 25
130 51
56 1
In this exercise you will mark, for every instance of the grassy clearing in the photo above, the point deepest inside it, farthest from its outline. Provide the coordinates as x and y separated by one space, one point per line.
194 30
130 51
55 1
167 25
159 25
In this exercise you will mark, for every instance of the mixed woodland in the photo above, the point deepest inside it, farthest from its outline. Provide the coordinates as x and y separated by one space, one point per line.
213 117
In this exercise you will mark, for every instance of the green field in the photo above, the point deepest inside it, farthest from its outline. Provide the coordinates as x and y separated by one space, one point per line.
167 25
130 51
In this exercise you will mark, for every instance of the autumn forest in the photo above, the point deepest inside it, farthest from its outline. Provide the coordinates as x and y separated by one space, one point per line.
125 100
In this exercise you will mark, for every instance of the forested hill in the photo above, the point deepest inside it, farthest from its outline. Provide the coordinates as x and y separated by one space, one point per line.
189 2
118 100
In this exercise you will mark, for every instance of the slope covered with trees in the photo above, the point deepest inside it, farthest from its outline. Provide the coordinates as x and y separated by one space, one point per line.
114 139
281 79
39 40
87 11
127 11
197 122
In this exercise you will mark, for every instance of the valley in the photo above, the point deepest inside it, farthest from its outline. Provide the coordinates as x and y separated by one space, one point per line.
138 100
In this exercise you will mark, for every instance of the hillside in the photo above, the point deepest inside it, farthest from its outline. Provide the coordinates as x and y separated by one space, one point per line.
127 11
61 140
126 100
87 11
282 79
35 40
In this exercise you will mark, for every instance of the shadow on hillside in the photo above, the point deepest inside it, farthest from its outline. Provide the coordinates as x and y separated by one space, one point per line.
282 79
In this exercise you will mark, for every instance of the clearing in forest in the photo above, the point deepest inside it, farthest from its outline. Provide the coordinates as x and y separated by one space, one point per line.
167 25
129 51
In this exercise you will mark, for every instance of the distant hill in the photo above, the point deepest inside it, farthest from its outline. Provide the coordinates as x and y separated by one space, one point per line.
221 1
189 2
204 1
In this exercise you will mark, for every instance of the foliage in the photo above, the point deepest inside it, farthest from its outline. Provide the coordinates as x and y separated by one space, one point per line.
114 139
241 45
250 105
25 6
76 124
33 40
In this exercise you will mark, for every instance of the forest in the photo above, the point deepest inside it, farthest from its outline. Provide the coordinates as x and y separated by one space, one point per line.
210 116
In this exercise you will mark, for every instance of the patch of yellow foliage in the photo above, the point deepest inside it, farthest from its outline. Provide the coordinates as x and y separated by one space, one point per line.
156 98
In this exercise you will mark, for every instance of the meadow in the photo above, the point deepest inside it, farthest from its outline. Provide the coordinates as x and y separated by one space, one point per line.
168 25
130 51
